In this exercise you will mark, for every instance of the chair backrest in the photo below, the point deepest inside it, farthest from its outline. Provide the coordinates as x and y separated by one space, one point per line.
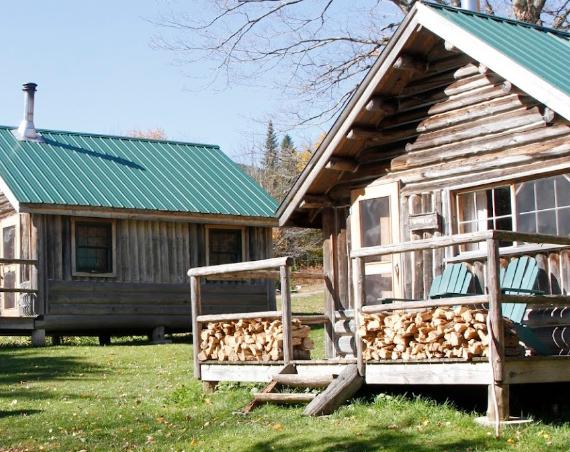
519 278
453 282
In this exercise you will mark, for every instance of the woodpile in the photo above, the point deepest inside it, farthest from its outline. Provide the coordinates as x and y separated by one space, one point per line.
459 332
252 340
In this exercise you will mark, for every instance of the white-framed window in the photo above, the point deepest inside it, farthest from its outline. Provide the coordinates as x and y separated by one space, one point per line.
93 247
225 245
534 206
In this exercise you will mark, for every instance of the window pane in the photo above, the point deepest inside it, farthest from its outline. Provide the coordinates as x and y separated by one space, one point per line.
378 286
94 247
225 246
526 222
467 209
489 200
375 222
545 194
562 191
9 242
502 201
525 197
564 222
546 222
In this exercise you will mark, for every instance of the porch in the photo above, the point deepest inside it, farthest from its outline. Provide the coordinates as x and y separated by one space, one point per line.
497 371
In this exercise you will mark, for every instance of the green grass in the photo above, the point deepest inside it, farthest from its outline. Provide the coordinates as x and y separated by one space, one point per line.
133 396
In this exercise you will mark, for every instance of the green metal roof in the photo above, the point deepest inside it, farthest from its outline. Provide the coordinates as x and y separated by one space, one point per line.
543 51
80 169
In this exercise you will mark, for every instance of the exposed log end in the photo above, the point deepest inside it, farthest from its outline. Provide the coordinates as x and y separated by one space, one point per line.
410 63
549 115
380 105
342 164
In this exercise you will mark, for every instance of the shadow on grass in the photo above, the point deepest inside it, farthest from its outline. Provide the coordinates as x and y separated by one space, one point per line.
381 439
12 413
17 366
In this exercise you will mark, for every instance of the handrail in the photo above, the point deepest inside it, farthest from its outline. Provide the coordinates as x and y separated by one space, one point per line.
265 264
458 239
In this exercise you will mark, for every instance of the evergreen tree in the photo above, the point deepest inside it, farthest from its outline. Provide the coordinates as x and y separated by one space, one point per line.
270 153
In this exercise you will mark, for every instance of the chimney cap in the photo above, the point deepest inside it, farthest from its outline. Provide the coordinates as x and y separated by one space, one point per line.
30 86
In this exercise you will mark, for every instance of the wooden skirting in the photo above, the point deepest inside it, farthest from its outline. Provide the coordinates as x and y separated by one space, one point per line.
539 369
16 325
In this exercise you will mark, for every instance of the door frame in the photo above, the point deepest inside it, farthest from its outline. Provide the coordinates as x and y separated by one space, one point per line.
13 220
394 264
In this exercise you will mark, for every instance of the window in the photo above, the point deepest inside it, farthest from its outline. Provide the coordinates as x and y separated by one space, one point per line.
538 206
94 248
481 210
543 206
225 245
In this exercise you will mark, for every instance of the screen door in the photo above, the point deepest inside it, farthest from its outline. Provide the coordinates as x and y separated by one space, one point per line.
374 222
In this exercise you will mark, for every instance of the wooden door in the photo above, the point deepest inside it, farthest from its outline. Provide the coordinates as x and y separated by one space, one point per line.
375 221
9 272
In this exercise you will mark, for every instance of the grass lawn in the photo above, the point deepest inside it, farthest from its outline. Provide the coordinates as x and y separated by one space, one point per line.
133 396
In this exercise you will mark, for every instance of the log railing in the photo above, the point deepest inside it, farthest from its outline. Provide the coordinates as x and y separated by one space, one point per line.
493 296
263 269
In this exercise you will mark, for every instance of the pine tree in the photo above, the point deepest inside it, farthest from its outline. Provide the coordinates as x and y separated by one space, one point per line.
270 154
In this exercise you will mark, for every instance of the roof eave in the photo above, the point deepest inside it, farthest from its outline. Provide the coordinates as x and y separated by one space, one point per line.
145 214
496 61
344 121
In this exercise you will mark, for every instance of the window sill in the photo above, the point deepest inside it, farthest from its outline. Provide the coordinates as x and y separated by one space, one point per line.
94 275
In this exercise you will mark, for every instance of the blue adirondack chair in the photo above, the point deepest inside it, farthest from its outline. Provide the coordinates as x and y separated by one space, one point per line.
520 278
453 282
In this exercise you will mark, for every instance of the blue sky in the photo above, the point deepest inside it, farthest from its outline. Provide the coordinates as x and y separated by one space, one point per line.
97 72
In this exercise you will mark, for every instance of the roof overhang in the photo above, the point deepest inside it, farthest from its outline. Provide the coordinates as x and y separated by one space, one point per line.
147 215
426 17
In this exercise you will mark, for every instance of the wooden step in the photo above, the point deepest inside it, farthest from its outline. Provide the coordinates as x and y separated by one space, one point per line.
339 391
283 397
302 381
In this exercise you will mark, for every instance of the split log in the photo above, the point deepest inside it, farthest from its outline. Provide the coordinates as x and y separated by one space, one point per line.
443 332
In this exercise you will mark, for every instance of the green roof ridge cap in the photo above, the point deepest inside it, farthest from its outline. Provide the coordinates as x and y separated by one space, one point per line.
119 137
498 18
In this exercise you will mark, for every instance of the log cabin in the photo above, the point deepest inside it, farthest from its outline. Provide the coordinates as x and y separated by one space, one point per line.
98 232
454 149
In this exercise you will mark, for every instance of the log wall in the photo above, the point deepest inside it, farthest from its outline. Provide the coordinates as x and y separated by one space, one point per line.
465 127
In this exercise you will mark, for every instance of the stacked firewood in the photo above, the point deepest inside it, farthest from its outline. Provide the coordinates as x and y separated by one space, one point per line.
459 332
252 340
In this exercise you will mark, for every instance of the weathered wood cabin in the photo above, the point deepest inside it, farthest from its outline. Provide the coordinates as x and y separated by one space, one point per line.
99 231
454 149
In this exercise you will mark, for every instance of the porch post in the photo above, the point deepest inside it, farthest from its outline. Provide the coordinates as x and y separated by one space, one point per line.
196 309
286 316
498 407
359 298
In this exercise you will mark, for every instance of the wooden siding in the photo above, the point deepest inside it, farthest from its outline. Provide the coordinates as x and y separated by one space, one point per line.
150 287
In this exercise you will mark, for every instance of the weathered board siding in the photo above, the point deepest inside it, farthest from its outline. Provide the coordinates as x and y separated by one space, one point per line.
150 287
